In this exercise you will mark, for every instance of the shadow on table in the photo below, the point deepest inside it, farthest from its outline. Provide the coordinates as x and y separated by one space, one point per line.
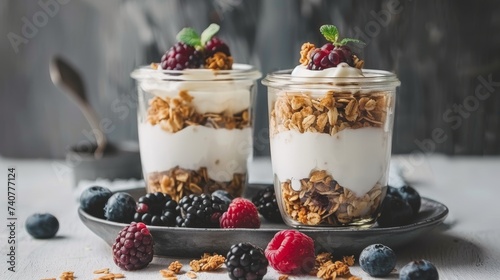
441 246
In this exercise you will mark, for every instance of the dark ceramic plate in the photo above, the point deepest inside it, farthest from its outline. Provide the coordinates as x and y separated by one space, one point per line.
193 242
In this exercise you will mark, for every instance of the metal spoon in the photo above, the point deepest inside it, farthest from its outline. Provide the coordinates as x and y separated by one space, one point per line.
65 76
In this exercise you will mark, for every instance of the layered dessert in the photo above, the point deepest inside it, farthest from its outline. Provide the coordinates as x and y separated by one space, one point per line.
194 120
330 133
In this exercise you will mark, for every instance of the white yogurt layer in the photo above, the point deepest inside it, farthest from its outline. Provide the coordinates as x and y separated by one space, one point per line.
343 70
209 96
222 151
356 158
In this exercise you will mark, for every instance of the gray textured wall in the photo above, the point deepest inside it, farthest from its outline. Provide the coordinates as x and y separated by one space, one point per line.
444 52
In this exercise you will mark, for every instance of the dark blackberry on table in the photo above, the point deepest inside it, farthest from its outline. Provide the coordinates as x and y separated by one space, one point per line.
133 247
246 261
266 203
157 209
200 211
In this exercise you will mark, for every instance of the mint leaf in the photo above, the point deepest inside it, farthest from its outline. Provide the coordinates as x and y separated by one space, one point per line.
189 36
209 32
330 32
350 40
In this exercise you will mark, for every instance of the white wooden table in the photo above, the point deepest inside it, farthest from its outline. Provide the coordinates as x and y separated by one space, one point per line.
466 246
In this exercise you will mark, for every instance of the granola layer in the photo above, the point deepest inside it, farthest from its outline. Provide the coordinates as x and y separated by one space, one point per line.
175 113
331 113
322 201
179 182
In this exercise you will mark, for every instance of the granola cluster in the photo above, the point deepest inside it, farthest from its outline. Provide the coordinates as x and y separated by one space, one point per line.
175 113
207 262
322 201
331 113
327 268
178 182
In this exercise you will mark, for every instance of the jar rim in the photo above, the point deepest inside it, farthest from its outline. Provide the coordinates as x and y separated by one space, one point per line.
372 78
239 72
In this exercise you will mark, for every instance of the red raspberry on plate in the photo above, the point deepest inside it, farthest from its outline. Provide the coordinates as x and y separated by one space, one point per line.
181 56
241 213
133 247
291 252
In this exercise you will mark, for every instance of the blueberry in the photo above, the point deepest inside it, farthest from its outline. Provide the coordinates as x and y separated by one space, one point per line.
419 270
412 197
393 191
42 226
120 208
93 200
377 260
395 212
223 195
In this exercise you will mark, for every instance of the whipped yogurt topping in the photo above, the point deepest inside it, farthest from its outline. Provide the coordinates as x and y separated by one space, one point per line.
343 70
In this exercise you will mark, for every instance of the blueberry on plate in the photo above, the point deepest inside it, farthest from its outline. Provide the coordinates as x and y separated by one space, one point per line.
120 208
223 195
42 226
419 270
393 191
93 200
377 260
395 212
412 197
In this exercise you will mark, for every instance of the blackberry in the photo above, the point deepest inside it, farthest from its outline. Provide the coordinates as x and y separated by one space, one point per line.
156 209
266 203
246 261
181 56
42 226
215 45
133 247
200 211
320 60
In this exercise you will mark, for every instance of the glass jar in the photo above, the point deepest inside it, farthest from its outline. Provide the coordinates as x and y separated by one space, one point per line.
330 144
195 128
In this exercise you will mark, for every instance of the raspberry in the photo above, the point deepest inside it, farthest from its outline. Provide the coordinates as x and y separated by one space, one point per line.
291 252
200 211
156 209
133 247
216 45
246 261
265 201
241 213
181 56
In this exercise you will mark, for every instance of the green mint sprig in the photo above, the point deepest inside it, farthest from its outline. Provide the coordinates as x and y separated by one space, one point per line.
331 33
190 37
